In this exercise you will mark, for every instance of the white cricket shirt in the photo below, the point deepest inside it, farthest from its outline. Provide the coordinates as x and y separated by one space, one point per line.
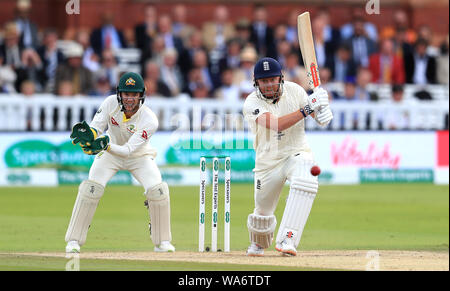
128 137
273 147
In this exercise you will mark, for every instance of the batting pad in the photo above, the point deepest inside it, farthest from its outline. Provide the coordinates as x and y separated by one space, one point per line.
302 193
261 229
89 194
159 211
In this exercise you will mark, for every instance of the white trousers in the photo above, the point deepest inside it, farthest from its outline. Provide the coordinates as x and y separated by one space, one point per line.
144 169
268 184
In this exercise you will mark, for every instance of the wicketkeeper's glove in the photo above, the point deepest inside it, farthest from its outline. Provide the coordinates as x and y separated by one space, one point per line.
98 145
82 133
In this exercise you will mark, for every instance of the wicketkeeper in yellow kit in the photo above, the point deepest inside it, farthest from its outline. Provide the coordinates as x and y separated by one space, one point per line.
129 124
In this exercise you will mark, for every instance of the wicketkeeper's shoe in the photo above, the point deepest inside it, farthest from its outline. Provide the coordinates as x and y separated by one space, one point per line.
286 247
164 247
72 247
255 250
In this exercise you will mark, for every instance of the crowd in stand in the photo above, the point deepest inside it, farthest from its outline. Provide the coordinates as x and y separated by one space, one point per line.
216 60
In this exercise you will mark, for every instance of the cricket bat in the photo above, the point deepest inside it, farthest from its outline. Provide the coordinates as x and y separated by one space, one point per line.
306 42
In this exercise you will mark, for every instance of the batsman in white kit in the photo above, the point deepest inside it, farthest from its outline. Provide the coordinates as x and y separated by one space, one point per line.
275 112
129 125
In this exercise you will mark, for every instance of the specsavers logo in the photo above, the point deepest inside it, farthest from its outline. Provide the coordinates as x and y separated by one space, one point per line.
43 154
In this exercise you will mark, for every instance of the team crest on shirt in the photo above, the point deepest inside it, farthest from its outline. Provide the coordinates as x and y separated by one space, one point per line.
131 128
114 122
130 82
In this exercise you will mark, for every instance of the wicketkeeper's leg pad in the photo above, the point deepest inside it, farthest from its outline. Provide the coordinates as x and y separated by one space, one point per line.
261 229
89 194
159 210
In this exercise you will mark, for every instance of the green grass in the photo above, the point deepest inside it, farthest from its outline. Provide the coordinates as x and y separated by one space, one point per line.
38 263
383 217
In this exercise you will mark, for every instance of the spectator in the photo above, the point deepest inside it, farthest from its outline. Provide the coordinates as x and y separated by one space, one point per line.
325 79
51 57
284 48
180 27
216 33
385 66
165 30
424 32
28 31
32 69
401 23
362 46
366 28
109 68
243 32
158 48
196 88
91 60
342 65
11 50
325 44
107 36
193 45
291 34
331 36
396 118
294 72
102 87
232 58
200 62
402 48
82 81
280 32
152 76
349 95
170 73
262 35
7 78
243 76
421 67
363 79
228 91
146 31
442 64
27 88
65 88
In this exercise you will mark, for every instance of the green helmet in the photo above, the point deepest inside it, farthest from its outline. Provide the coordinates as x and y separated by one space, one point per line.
130 82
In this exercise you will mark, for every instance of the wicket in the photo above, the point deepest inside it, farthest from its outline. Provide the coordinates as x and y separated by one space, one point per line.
215 203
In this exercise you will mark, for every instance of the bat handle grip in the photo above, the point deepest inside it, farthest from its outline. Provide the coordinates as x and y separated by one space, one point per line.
315 90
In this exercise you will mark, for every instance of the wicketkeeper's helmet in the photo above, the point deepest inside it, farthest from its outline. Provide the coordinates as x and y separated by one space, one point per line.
130 82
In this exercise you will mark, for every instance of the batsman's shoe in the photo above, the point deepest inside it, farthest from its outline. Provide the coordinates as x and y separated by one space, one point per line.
72 247
286 247
255 250
165 247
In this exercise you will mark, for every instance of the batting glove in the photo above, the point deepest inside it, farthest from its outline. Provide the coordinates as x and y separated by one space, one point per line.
318 99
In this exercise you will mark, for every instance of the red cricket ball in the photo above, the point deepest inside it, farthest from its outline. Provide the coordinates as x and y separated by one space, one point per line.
315 171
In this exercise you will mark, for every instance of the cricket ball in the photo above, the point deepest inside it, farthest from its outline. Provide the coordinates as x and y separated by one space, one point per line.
315 171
